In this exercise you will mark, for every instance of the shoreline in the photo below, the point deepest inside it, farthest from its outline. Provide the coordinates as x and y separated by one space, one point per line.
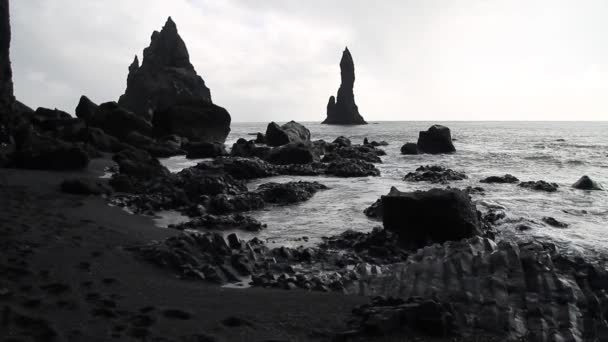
79 242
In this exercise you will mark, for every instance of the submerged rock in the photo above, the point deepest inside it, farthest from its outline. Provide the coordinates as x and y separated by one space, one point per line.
413 216
167 90
500 179
437 139
351 168
344 110
540 186
434 174
586 183
554 223
363 153
291 132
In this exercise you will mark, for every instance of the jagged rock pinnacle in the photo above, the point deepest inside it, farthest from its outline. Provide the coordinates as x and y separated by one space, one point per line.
6 75
345 111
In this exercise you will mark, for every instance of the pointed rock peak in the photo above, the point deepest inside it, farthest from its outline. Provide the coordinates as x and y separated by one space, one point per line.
135 64
170 25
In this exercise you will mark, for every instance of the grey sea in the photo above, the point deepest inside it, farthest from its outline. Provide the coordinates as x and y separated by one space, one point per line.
559 152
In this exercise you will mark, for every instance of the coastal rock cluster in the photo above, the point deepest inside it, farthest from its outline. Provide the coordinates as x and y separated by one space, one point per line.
343 110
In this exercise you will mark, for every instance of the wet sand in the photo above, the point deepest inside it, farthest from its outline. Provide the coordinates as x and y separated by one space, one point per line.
65 274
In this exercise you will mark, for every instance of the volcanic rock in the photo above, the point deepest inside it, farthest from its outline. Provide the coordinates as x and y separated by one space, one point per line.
6 75
351 168
344 110
437 139
413 216
249 149
293 153
155 148
228 222
375 210
342 141
364 153
409 148
434 174
139 164
166 89
500 179
116 120
540 186
586 183
288 133
289 193
197 150
554 223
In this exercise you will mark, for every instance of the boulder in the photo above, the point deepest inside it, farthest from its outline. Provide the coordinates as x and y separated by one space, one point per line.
540 186
375 210
409 148
288 133
500 179
155 148
342 141
260 138
197 121
198 150
118 121
293 153
437 139
554 223
139 164
86 109
344 110
586 183
434 174
413 216
351 168
167 90
288 193
249 149
241 168
85 186
364 153
97 138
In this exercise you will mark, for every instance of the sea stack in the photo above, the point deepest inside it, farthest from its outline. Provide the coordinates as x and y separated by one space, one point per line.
344 110
166 90
6 75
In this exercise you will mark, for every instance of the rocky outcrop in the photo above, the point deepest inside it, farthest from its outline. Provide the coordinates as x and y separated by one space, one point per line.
291 132
113 119
506 179
85 186
293 153
288 193
375 210
413 216
540 185
6 75
227 222
437 139
586 183
434 174
166 89
344 110
197 150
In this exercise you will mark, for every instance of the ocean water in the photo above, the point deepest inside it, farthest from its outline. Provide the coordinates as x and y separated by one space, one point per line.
527 150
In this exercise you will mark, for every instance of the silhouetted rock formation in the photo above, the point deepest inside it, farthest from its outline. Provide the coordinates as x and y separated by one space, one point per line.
167 90
6 74
586 183
344 110
437 139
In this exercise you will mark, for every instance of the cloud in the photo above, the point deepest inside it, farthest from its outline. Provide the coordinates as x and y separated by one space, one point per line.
278 59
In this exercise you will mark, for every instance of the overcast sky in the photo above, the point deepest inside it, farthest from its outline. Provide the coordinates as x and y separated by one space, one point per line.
279 59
